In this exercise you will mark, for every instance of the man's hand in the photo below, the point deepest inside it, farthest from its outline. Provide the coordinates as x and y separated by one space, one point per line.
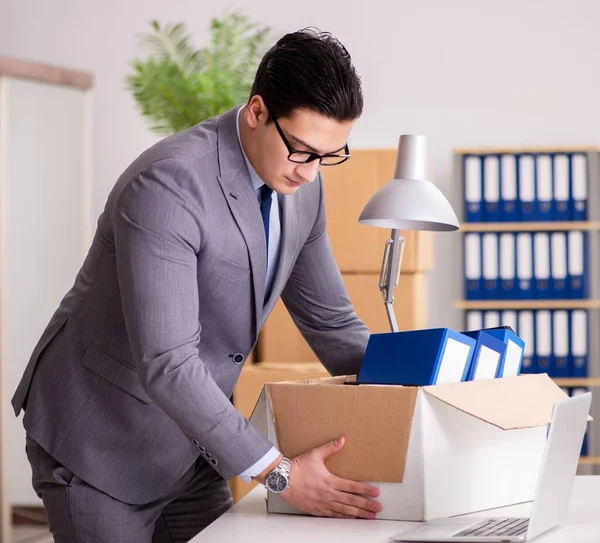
314 490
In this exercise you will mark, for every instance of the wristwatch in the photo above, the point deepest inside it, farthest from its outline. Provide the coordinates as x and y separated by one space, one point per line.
279 478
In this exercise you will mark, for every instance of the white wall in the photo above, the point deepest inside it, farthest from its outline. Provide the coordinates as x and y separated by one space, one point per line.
465 73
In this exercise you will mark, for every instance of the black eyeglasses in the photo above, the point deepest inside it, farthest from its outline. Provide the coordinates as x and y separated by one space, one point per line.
304 157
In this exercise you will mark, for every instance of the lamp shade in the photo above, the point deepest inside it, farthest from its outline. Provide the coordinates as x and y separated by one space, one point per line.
409 201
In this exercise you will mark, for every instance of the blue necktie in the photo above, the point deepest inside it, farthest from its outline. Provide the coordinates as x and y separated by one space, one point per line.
265 211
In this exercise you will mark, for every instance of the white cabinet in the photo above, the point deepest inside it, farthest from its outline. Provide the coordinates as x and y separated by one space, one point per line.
44 232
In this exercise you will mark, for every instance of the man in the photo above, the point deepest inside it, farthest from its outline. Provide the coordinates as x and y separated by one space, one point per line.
130 432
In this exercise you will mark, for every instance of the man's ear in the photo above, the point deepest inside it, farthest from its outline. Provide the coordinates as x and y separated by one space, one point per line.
256 112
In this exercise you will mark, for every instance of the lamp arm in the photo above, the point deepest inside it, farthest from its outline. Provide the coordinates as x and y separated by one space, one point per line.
390 273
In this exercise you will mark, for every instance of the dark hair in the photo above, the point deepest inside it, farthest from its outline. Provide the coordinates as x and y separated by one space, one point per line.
309 69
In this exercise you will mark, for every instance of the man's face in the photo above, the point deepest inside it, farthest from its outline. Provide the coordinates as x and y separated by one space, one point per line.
305 130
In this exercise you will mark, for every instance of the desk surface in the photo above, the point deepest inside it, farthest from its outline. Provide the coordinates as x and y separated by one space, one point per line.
249 522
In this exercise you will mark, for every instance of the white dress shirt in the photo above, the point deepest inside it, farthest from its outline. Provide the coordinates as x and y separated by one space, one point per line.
273 257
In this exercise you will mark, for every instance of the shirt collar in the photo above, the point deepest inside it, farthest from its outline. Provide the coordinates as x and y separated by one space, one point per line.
257 182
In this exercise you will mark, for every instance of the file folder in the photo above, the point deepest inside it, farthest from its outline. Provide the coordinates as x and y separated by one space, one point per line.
560 174
559 366
417 358
543 341
511 362
526 331
474 320
508 268
525 265
491 319
488 356
473 189
558 267
473 280
541 264
491 188
490 265
577 264
579 343
579 186
526 184
543 187
509 318
509 212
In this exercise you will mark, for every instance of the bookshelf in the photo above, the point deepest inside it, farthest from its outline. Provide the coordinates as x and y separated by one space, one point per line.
531 226
45 165
526 304
589 225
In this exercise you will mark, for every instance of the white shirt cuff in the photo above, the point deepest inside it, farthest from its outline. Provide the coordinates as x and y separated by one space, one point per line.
260 466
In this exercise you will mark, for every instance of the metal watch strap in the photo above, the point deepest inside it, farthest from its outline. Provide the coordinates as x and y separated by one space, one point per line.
285 467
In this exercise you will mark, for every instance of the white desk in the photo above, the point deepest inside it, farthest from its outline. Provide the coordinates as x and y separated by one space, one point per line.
248 522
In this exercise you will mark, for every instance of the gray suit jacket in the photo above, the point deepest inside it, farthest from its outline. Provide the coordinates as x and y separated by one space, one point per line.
131 380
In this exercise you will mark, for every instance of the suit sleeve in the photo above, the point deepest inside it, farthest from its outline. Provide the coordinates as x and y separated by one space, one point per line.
317 300
157 239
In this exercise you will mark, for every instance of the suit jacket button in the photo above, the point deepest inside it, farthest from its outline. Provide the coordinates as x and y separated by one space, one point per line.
238 358
195 443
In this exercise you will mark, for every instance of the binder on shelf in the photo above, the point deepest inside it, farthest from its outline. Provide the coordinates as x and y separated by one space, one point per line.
577 264
491 188
543 187
525 265
561 193
488 357
489 256
417 358
559 365
474 320
526 184
558 265
541 264
491 319
584 446
511 362
543 342
509 318
472 257
526 330
472 173
509 212
508 268
579 186
578 363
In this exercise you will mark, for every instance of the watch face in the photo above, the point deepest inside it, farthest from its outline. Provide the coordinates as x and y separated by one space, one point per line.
276 482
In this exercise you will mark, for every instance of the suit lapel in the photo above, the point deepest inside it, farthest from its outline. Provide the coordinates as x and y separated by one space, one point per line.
237 189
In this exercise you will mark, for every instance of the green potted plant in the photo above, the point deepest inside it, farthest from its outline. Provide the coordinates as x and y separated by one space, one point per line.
177 86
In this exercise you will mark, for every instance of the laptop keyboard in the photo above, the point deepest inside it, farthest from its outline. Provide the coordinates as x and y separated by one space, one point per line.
496 527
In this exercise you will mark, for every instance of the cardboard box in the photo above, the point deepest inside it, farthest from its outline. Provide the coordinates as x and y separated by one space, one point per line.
248 389
433 451
280 339
348 187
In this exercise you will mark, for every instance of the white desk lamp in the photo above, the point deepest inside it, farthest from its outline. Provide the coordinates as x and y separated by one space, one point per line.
407 202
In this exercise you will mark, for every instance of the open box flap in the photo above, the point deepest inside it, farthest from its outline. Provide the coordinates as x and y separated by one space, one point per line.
525 401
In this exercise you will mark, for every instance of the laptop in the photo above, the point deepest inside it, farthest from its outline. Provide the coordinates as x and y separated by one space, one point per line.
552 495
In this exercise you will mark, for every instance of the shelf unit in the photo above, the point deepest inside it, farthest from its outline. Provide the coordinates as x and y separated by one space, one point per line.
592 304
527 304
45 187
531 226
